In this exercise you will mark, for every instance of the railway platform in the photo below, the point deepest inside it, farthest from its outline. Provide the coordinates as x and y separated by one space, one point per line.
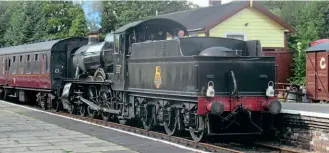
308 109
27 130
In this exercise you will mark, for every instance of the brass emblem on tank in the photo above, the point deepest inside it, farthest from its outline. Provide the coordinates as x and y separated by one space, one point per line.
157 77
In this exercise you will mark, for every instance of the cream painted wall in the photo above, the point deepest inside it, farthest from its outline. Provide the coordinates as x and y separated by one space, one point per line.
260 27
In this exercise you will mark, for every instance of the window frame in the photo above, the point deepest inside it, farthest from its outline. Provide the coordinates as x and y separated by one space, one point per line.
28 63
20 65
3 64
36 65
236 33
13 65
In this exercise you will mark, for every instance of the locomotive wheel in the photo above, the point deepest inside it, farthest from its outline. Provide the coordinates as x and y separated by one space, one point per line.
123 121
43 105
58 105
105 99
99 78
42 101
90 78
83 111
148 121
72 109
171 126
91 113
195 134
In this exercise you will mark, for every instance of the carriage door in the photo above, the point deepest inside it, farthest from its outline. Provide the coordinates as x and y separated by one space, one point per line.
119 62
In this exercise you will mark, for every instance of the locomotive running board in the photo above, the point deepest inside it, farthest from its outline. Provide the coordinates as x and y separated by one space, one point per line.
102 109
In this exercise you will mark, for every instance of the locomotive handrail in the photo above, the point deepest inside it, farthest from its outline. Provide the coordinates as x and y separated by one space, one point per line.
235 84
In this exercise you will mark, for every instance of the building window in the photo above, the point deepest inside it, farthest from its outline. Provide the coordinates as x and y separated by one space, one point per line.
194 35
238 36
28 64
36 64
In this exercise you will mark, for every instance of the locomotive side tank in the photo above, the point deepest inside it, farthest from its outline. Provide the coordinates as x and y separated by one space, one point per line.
210 79
189 64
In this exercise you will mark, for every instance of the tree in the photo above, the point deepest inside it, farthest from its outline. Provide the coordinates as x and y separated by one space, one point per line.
15 33
58 18
78 27
5 14
119 13
310 20
26 24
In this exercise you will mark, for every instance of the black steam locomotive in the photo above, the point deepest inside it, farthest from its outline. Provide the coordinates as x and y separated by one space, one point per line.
203 85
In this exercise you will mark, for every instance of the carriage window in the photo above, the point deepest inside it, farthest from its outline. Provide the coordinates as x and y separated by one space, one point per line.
44 60
8 63
21 64
28 64
13 67
3 65
36 64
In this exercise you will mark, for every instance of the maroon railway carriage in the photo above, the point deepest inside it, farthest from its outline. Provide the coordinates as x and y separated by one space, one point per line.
36 69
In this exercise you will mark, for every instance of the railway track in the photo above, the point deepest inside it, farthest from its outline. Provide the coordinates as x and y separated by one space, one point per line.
208 147
280 149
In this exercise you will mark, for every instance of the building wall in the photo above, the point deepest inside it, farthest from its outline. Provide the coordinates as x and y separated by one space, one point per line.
259 27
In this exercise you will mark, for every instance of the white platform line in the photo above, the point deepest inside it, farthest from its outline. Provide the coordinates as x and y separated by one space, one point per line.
130 133
305 113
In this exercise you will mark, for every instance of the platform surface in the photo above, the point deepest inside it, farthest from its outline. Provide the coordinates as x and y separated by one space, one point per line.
308 109
23 130
311 107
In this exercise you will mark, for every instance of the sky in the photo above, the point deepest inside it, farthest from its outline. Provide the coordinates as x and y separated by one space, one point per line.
204 3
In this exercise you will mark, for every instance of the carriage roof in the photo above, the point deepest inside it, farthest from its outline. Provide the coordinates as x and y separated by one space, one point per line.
34 47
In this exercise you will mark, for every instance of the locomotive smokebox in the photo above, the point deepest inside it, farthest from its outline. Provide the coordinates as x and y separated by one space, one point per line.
93 37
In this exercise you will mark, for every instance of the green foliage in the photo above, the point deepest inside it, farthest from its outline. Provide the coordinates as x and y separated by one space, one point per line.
119 13
60 16
78 27
31 21
310 20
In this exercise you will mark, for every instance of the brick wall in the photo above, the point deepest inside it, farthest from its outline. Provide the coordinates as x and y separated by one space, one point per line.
310 133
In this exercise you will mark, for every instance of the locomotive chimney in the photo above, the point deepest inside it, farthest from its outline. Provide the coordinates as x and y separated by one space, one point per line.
93 37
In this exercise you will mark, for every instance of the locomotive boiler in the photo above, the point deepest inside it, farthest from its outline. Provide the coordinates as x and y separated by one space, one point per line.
93 62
